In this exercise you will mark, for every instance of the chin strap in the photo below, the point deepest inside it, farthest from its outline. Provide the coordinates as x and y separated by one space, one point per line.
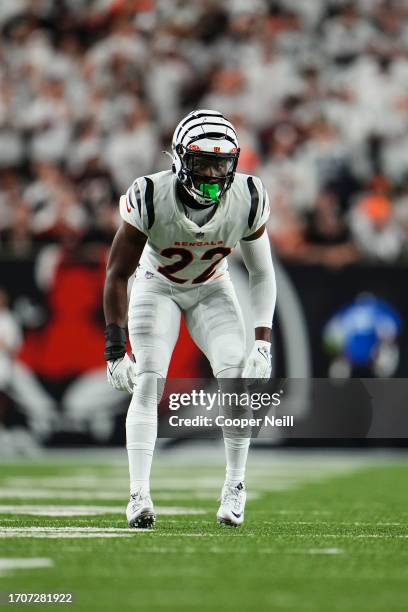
169 154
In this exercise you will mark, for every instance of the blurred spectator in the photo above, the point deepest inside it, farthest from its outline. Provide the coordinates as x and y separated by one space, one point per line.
347 33
90 92
327 238
53 202
401 209
20 392
131 151
285 174
374 224
10 341
168 76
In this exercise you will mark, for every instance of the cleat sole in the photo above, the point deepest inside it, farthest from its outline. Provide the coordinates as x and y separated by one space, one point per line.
146 520
227 523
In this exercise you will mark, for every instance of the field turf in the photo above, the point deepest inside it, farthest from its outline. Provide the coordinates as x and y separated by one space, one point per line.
323 532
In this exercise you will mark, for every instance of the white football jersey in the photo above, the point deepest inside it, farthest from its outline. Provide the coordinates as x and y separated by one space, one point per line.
179 249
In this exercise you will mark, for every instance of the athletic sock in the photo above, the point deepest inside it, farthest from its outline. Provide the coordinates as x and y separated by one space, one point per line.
236 454
141 432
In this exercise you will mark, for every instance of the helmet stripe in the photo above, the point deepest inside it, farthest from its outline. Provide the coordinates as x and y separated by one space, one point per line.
220 125
223 125
213 136
199 116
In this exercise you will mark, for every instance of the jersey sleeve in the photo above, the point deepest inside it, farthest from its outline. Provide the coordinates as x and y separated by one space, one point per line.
258 206
136 205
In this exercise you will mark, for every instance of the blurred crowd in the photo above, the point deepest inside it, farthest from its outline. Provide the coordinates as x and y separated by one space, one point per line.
91 90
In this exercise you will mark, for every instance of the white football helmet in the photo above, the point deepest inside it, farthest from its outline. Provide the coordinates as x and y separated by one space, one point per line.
205 155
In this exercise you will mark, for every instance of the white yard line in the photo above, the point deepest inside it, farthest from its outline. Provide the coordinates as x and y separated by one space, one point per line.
65 536
54 510
30 493
67 529
275 473
98 532
343 523
322 551
8 564
34 492
309 551
353 536
30 532
68 532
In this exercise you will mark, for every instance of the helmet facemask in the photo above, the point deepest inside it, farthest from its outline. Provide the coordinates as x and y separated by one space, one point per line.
207 176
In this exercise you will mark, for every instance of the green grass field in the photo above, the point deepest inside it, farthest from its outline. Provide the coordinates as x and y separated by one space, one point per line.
323 532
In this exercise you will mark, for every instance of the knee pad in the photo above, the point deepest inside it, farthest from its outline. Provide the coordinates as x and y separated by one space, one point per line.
141 420
228 356
147 394
153 330
152 360
234 372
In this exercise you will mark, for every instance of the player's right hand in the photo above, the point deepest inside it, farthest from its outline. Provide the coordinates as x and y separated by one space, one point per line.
122 374
258 366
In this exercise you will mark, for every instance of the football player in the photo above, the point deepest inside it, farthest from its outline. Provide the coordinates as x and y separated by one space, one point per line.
178 227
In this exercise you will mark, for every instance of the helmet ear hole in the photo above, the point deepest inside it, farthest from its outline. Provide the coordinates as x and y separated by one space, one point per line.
173 168
183 177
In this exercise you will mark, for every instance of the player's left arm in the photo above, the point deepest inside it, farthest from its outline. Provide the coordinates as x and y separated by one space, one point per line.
256 253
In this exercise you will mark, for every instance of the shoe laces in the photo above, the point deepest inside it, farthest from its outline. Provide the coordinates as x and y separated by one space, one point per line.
139 496
232 495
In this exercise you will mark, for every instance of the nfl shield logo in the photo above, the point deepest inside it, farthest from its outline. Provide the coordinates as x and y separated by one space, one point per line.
200 235
149 274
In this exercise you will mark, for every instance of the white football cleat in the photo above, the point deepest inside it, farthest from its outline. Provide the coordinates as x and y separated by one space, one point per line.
140 511
231 510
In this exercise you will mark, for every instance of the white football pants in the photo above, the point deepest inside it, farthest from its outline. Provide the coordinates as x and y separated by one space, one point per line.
215 322
213 317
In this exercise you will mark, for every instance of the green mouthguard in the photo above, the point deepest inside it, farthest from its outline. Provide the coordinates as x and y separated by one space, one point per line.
212 190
